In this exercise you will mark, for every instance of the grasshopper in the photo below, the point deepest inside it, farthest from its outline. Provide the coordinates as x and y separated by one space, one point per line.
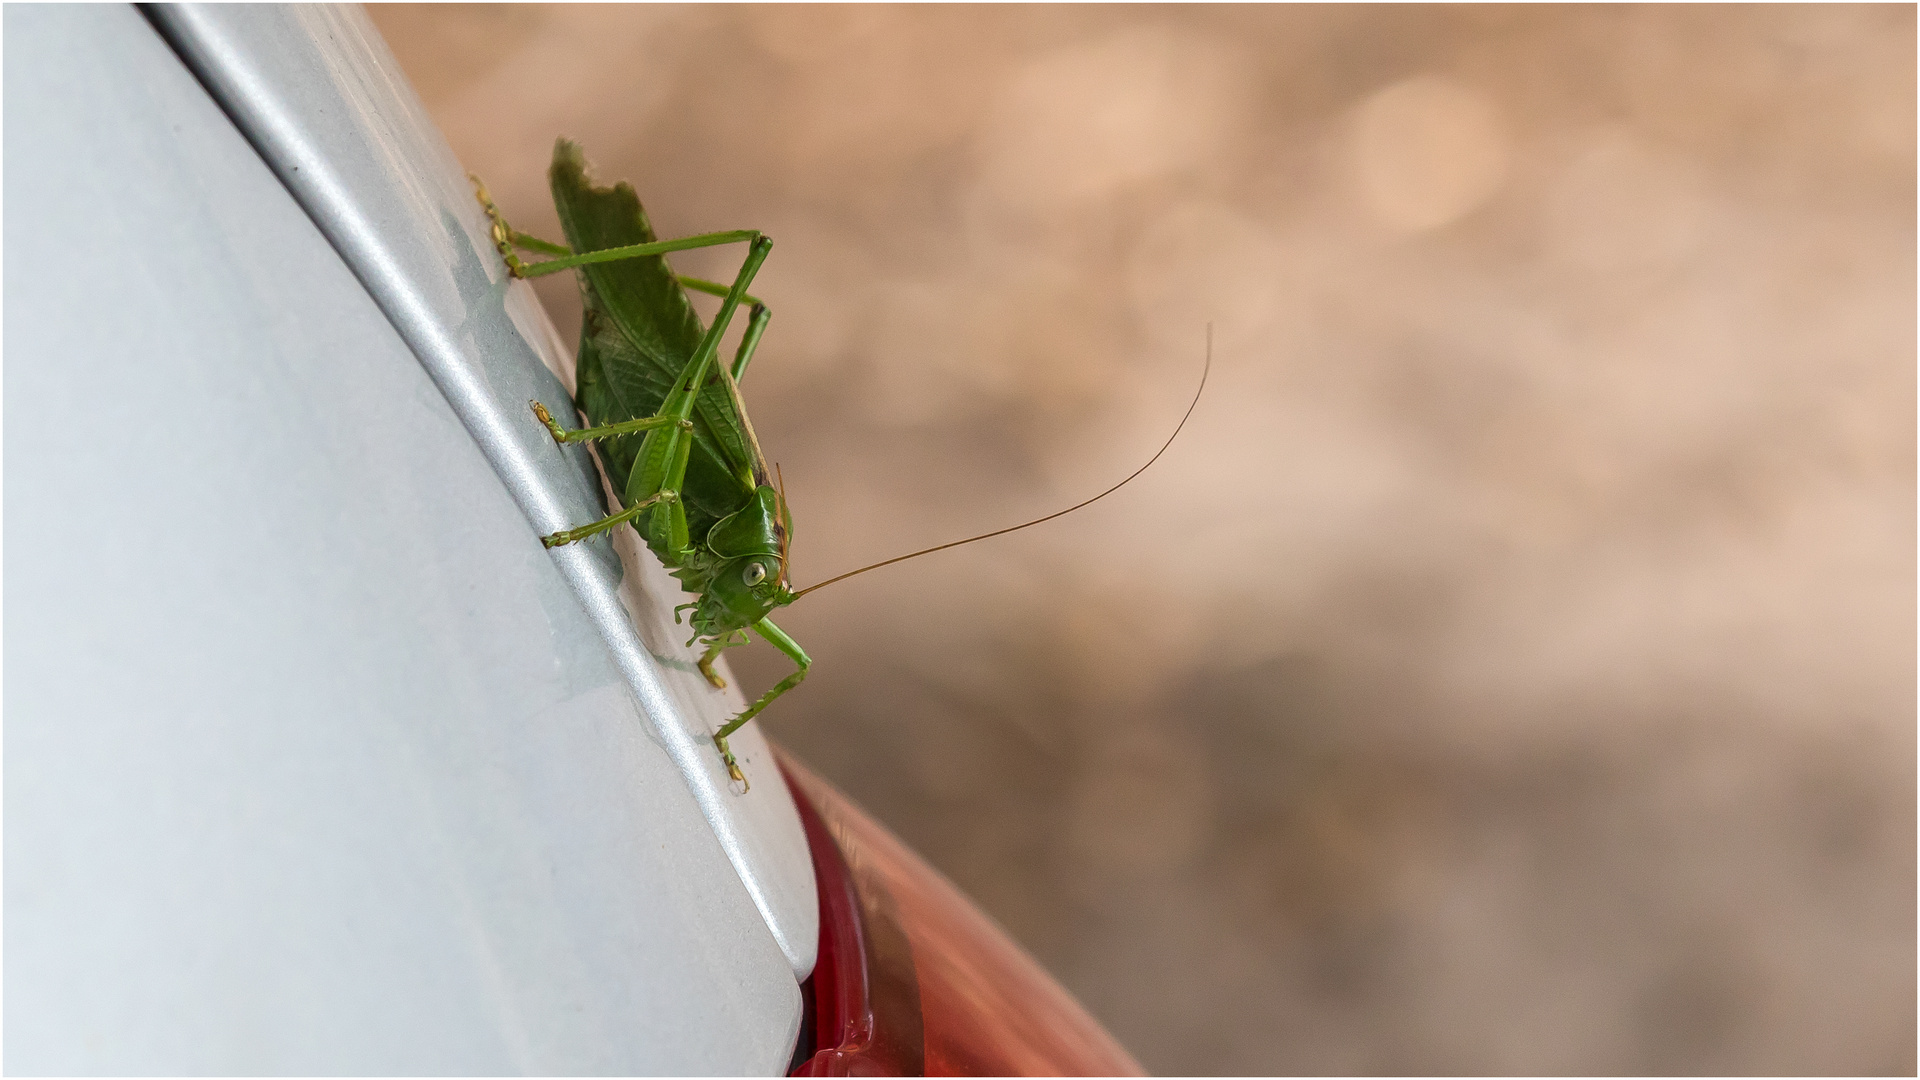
673 432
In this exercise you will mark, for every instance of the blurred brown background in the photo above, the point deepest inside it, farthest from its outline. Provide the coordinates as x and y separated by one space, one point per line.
1511 669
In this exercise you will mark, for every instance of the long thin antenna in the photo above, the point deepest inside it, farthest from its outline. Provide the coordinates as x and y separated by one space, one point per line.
1016 528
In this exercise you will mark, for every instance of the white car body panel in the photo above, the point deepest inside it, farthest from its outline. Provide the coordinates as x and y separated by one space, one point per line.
316 761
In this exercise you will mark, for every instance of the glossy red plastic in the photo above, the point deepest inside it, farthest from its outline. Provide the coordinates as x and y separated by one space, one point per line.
913 979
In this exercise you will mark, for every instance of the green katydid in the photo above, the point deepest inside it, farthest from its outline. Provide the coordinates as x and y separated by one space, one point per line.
672 427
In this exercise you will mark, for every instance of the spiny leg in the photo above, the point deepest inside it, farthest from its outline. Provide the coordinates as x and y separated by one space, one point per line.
569 536
625 427
785 644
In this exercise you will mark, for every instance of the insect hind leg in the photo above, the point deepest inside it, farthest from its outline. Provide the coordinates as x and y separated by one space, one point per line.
757 319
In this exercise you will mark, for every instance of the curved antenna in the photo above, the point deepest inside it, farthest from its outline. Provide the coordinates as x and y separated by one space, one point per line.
1057 513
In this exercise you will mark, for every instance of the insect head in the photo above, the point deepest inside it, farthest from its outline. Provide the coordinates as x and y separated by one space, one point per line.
750 567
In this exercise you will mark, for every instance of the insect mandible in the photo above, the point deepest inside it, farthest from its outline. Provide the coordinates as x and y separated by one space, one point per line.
672 427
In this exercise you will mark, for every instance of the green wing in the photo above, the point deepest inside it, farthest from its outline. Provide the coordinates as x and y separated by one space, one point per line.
636 337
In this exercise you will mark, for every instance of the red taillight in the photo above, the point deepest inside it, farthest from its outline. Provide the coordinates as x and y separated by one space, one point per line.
913 979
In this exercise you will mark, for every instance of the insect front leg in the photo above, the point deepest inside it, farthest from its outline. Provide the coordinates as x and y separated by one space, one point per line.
785 644
712 654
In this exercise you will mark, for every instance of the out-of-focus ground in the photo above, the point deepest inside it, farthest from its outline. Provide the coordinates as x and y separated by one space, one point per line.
1512 667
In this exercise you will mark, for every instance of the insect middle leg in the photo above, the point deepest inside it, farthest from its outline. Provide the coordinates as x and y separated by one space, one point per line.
569 536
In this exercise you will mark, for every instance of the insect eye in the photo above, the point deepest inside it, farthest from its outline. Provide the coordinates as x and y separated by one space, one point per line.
755 573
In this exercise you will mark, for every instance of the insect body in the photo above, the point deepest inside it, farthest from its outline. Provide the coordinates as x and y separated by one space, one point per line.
672 426
673 429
